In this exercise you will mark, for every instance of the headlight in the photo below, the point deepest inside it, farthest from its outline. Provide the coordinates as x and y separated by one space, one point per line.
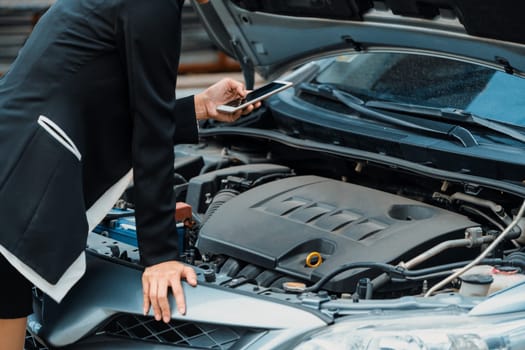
439 332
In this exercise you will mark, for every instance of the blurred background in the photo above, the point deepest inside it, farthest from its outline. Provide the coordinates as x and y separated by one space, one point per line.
201 63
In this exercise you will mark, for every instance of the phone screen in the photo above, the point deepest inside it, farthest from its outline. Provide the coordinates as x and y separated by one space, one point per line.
255 94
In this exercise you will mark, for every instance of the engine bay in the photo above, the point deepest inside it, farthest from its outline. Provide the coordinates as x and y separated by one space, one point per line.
287 222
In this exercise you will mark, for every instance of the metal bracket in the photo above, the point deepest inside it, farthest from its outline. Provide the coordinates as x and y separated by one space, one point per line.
506 64
354 44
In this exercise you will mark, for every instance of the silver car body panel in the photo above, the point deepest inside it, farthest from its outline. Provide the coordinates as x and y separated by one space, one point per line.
69 321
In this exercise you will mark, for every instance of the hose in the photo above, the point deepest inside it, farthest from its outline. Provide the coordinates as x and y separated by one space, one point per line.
220 198
400 271
384 278
476 261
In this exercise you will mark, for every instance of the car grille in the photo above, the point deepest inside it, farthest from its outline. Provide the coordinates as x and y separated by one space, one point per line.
200 335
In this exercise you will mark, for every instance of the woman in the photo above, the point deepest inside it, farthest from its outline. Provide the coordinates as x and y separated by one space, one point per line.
91 96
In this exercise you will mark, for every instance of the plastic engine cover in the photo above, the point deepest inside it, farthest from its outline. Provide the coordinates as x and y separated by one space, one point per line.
278 224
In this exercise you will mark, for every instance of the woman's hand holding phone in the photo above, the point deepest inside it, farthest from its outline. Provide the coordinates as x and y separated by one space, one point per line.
255 96
220 93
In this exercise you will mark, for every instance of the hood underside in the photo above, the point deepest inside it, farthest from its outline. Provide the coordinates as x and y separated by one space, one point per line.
272 35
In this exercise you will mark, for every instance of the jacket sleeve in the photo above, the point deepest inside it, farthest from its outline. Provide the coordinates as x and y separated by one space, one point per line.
186 130
149 43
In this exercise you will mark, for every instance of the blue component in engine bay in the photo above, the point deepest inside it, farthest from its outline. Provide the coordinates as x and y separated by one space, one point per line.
120 225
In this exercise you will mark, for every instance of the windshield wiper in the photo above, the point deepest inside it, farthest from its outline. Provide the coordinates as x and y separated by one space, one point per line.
455 131
451 114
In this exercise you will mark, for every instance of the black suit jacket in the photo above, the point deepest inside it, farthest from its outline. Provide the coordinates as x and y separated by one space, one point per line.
90 96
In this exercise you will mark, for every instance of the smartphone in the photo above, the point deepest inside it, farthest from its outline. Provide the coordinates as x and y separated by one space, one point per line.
254 96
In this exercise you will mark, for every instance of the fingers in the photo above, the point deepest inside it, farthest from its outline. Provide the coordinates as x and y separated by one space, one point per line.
178 293
235 116
154 301
162 299
231 117
190 276
156 281
248 110
145 295
241 91
236 88
157 296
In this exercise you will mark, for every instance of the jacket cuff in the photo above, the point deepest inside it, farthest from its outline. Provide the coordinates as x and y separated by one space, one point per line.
158 258
186 129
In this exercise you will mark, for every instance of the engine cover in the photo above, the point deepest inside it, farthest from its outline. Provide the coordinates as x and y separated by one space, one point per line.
278 224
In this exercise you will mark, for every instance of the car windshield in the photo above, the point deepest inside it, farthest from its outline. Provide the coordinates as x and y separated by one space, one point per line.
430 81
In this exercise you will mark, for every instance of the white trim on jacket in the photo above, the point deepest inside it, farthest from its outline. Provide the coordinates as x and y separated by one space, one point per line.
76 270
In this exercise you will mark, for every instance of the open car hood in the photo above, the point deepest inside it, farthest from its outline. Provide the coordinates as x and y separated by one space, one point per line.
269 36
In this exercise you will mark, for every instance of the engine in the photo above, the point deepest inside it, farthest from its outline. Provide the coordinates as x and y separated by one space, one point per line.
307 226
